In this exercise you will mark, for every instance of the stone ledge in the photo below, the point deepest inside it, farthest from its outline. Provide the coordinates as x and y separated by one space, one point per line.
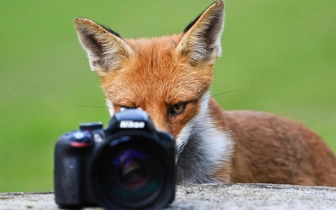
210 196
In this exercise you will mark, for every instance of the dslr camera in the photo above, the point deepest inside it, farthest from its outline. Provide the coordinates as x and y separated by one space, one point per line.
127 165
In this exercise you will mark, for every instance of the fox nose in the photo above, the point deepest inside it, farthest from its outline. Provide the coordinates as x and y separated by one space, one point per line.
161 128
159 119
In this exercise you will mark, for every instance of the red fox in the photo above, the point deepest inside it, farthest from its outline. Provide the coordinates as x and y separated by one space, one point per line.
169 77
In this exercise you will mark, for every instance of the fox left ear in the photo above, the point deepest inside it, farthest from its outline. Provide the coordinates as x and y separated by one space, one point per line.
105 48
201 38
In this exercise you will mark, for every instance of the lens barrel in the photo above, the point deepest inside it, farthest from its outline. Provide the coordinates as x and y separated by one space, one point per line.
132 171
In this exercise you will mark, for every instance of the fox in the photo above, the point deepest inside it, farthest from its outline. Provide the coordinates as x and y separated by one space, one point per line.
170 78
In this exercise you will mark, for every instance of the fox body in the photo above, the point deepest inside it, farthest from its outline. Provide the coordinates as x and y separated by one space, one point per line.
170 78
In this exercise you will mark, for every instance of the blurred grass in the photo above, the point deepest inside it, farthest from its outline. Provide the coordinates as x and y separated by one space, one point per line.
278 55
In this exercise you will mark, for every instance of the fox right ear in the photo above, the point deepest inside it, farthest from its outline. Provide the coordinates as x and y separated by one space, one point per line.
201 39
105 48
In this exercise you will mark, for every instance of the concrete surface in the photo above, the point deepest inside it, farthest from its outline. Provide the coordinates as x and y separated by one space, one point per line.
210 196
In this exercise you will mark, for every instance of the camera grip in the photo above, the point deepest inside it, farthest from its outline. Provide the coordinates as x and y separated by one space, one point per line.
70 172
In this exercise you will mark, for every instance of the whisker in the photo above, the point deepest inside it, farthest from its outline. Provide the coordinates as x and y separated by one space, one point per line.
202 145
209 128
227 92
198 134
87 106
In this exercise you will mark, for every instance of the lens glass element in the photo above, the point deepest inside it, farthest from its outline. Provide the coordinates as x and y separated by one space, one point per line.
131 173
132 168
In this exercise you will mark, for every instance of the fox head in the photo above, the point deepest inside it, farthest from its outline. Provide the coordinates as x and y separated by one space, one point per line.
169 77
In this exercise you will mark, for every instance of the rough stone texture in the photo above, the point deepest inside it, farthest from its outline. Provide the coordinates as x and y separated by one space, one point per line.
228 197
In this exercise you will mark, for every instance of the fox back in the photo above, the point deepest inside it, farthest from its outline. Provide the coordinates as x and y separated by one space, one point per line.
170 77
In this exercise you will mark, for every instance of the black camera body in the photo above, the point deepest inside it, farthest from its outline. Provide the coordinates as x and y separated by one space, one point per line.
127 165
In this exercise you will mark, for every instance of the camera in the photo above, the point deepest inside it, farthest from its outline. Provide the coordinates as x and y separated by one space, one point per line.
127 165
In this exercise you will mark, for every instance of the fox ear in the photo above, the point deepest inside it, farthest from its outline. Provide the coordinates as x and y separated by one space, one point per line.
105 48
201 38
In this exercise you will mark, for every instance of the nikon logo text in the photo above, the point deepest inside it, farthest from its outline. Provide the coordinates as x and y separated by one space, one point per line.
132 124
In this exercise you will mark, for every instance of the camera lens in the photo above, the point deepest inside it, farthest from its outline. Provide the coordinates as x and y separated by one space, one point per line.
131 173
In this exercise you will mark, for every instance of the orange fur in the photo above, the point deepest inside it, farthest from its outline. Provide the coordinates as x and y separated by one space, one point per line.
272 149
243 146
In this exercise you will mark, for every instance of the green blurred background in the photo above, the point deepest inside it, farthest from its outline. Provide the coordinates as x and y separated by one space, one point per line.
278 56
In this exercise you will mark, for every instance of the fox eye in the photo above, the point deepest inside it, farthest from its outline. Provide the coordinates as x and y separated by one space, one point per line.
126 107
177 108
